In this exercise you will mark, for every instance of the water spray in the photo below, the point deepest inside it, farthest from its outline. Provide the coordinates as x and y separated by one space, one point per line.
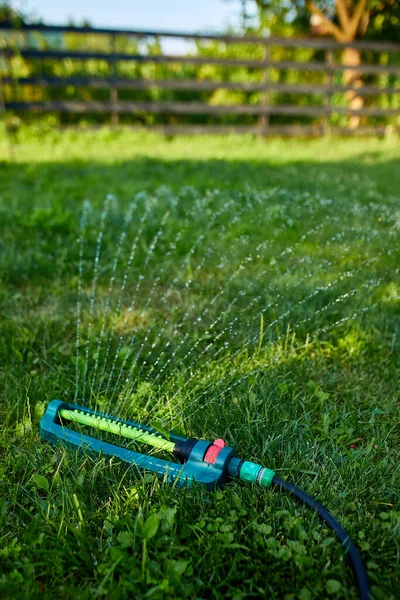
195 461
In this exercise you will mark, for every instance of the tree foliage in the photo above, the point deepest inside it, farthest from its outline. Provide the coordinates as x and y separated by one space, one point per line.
344 19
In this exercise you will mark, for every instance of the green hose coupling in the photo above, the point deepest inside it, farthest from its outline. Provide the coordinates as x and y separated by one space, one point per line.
254 473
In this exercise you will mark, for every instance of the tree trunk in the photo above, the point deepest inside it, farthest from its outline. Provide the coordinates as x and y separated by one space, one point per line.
352 56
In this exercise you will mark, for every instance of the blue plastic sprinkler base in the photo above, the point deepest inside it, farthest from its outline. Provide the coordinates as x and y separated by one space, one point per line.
195 469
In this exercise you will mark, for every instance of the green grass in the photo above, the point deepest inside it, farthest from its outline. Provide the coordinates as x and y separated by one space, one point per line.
278 331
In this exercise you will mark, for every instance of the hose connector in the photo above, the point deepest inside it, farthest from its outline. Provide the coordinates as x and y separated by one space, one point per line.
251 472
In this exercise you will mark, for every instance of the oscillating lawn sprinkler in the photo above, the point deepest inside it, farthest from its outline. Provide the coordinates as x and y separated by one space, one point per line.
196 462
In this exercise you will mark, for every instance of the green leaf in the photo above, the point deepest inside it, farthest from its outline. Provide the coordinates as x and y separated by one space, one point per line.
225 538
158 427
168 518
125 539
41 482
263 528
365 546
23 428
150 526
178 567
116 554
333 586
39 409
327 542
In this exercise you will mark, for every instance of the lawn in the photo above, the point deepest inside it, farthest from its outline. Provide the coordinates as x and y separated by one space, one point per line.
244 289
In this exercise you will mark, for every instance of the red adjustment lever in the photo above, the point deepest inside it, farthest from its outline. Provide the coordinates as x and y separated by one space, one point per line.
213 451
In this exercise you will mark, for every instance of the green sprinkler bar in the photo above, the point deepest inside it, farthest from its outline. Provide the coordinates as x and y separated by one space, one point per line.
121 429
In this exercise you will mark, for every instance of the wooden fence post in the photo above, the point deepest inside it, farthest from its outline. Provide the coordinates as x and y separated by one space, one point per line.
2 96
265 95
328 95
3 108
113 88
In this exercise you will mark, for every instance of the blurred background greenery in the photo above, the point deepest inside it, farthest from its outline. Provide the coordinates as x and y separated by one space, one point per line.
375 21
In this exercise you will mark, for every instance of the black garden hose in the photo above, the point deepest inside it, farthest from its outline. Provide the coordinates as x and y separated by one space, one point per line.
352 552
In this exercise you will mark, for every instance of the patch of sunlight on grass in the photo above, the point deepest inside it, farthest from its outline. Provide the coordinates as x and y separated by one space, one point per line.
390 292
130 321
352 343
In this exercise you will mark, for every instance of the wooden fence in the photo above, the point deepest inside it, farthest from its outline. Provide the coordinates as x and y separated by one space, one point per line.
380 101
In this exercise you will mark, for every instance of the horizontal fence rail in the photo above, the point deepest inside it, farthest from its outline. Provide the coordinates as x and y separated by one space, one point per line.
192 108
182 84
317 90
290 42
203 60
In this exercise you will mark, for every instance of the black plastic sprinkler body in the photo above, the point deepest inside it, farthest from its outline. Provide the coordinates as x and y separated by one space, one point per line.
200 461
